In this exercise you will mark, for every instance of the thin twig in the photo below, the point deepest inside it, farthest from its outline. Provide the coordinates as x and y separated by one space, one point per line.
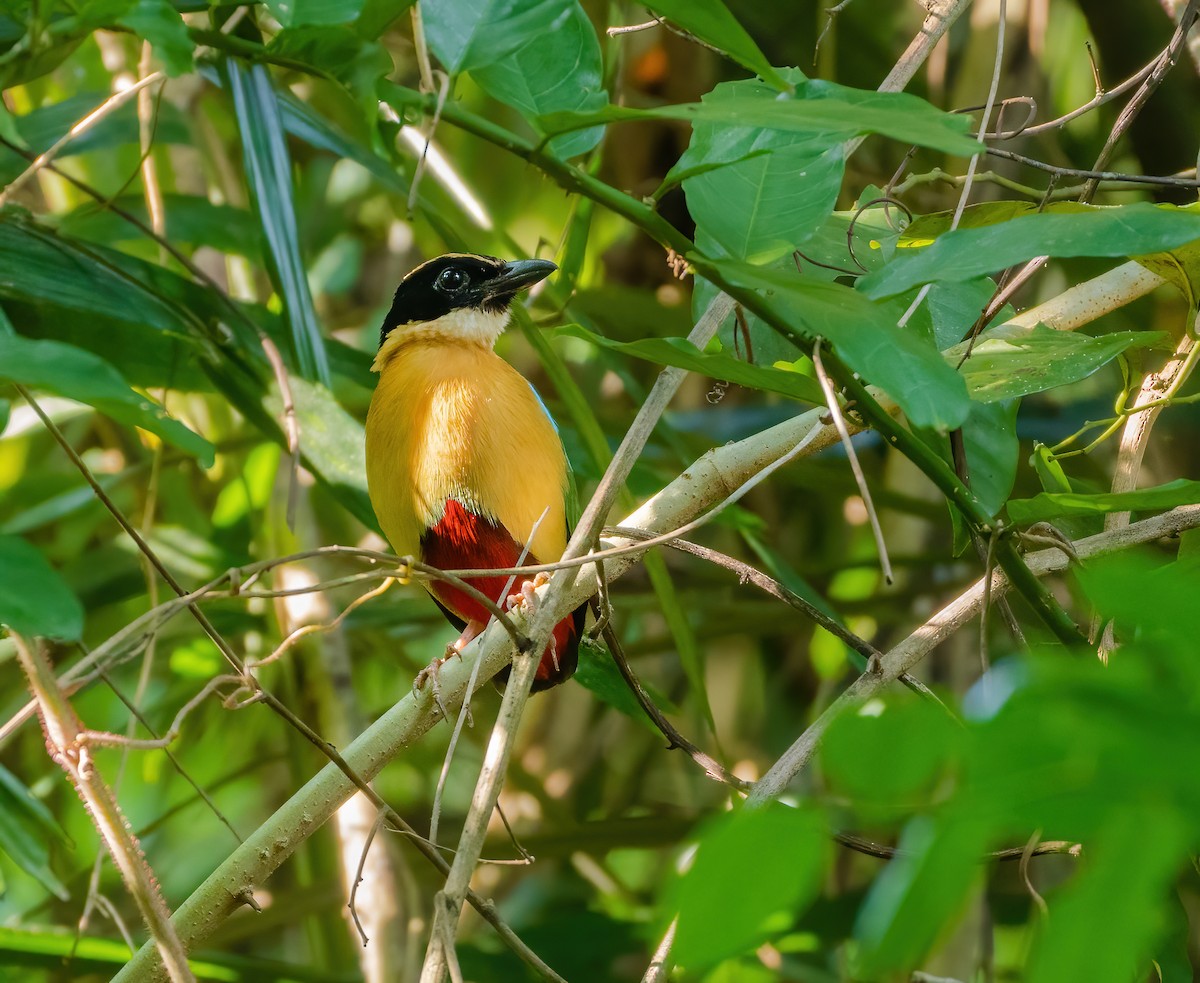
115 101
860 479
1165 181
903 657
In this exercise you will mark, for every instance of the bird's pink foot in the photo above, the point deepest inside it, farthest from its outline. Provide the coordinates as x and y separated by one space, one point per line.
526 600
430 673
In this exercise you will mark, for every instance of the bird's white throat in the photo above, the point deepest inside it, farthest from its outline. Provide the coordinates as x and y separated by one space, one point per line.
473 326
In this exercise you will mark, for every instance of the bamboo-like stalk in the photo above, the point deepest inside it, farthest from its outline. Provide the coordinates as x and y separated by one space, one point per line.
63 731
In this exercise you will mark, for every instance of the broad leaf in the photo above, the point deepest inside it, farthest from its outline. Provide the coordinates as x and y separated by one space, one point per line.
1008 364
711 21
34 599
745 182
1125 230
901 362
993 451
753 872
1054 505
297 13
332 442
557 69
826 111
469 34
72 372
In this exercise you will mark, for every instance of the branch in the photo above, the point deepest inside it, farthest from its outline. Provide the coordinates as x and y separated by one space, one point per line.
63 739
945 623
705 483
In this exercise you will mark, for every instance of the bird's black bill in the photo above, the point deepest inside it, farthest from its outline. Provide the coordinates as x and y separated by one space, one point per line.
516 276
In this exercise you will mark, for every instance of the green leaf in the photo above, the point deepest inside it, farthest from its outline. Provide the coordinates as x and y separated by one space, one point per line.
357 62
1150 598
753 872
1049 470
557 69
297 13
993 451
39 267
916 894
1124 230
269 175
158 22
332 442
682 354
711 21
1017 362
827 112
470 34
1180 267
742 181
1053 505
598 673
1132 862
72 372
34 599
190 219
901 362
25 825
954 307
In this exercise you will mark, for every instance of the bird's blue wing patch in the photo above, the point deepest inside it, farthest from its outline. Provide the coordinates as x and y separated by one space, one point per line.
542 404
571 492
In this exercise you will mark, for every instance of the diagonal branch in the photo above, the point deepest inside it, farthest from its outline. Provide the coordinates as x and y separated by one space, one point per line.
946 622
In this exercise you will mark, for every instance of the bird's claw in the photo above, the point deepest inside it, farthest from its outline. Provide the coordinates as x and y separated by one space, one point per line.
431 673
526 599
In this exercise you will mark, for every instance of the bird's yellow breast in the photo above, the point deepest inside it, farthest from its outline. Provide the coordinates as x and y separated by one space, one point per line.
454 420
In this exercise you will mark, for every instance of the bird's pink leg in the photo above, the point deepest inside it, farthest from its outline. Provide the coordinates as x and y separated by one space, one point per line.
472 630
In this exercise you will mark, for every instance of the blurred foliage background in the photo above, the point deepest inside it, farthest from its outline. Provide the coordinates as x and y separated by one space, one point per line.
239 211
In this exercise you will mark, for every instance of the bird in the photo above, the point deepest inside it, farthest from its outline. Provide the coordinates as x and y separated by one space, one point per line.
465 466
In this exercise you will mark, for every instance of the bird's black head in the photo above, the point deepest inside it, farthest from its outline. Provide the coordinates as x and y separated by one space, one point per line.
461 282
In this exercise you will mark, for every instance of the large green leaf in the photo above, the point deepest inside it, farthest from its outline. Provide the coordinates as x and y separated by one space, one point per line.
901 362
681 353
993 451
1008 364
190 219
34 599
712 22
723 908
332 443
40 268
825 110
77 374
469 34
1132 863
269 175
1054 505
1124 230
298 13
758 192
556 69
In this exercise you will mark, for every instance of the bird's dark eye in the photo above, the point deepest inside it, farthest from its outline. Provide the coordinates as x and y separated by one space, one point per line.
451 280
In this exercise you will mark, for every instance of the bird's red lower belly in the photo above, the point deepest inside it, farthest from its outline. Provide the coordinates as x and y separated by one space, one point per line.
462 540
465 541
